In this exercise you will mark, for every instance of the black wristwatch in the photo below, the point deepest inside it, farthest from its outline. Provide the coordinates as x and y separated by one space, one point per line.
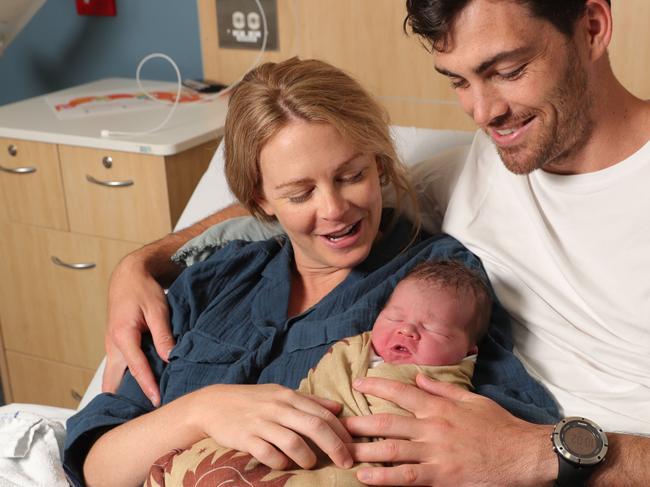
580 445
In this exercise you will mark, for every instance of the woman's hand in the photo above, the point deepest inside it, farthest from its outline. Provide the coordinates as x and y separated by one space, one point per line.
136 304
272 423
456 438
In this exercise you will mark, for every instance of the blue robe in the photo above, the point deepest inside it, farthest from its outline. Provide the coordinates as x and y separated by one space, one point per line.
229 317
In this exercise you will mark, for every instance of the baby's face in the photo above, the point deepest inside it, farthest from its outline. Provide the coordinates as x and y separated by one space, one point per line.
422 324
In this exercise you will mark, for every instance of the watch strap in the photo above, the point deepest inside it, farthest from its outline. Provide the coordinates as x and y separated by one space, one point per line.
571 475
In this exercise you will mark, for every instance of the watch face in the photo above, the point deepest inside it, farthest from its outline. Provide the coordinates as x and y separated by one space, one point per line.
580 441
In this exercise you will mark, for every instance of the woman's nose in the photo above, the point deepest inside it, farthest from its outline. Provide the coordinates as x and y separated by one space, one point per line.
333 205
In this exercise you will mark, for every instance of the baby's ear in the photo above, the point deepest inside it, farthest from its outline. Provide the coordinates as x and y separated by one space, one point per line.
473 350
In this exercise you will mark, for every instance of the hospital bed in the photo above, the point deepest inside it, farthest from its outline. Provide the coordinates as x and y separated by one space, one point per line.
413 145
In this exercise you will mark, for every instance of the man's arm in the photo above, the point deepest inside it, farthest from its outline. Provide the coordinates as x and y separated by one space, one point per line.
458 438
627 462
136 304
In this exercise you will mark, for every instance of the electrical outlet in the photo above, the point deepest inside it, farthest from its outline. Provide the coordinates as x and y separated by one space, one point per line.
241 25
97 7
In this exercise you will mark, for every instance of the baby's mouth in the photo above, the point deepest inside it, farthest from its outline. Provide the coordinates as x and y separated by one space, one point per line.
400 349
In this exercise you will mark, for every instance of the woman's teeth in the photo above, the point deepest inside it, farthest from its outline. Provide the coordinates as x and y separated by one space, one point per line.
343 233
506 131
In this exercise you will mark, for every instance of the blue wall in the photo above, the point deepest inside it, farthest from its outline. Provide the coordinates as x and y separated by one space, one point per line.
59 49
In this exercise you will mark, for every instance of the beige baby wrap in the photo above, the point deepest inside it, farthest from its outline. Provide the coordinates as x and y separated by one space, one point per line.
208 464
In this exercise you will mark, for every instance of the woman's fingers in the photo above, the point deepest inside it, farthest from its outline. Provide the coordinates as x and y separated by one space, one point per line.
333 406
287 420
267 454
289 443
326 410
311 420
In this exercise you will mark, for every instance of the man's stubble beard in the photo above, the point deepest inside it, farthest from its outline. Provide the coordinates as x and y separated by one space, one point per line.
572 102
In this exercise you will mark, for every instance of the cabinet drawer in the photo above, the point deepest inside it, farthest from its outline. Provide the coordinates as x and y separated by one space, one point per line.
117 195
50 310
39 381
30 180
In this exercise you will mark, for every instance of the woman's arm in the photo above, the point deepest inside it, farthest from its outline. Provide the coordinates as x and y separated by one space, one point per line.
136 303
270 422
460 438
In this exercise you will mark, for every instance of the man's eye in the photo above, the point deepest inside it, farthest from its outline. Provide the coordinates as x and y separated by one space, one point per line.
457 83
511 75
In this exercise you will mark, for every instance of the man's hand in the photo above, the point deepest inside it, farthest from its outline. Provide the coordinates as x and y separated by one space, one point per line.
456 438
136 304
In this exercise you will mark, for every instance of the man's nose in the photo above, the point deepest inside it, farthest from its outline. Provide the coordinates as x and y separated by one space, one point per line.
484 104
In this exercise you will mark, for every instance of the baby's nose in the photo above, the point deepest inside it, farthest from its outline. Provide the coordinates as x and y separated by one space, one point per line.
409 331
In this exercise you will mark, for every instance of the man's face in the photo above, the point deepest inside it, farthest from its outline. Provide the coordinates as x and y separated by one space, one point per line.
523 83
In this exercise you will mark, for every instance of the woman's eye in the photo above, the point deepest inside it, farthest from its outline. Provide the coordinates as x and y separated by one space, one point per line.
353 178
301 198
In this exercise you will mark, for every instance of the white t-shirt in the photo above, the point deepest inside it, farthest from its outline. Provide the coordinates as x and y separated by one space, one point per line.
569 258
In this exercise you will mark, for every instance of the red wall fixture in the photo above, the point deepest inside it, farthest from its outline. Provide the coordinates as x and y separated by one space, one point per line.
97 7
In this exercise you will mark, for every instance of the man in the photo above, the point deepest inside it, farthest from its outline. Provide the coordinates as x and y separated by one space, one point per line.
552 199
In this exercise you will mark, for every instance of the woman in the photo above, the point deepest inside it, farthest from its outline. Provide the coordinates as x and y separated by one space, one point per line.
305 145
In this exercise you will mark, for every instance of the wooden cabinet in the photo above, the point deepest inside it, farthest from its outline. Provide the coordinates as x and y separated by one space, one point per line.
69 214
30 180
39 381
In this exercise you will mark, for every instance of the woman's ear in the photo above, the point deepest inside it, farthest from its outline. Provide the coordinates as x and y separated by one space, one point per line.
263 203
381 171
598 27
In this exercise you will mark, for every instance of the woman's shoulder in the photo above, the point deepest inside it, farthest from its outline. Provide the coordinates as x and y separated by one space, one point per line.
234 261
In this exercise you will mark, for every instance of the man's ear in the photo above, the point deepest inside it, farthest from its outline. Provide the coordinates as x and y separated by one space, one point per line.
597 26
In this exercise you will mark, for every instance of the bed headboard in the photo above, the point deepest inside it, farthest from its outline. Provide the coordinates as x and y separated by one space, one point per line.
365 38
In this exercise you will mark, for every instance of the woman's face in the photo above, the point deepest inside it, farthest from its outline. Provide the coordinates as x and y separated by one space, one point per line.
324 192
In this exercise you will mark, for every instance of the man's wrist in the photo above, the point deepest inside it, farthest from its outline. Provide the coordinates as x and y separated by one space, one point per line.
538 466
154 259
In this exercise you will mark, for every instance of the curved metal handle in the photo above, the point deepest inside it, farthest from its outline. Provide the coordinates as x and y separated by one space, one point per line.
75 395
112 184
80 266
18 170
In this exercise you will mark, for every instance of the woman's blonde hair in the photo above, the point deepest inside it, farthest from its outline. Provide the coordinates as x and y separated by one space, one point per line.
273 94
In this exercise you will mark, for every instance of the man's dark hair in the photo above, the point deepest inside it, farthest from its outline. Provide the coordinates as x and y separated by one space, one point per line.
432 19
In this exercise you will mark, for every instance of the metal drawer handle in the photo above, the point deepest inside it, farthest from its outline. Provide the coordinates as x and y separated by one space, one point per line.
75 395
18 170
87 265
112 184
